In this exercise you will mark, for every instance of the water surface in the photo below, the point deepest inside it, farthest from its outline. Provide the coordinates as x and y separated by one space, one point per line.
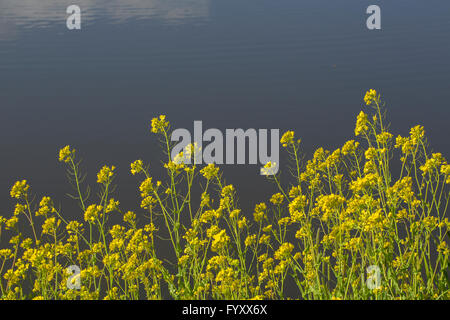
288 64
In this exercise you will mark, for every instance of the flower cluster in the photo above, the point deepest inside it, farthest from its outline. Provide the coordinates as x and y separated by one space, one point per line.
331 224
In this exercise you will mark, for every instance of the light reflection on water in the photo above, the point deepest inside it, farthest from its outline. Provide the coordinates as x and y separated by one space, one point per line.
32 14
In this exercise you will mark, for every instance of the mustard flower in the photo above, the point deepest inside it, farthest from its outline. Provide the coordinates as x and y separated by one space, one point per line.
74 227
370 96
210 171
349 147
92 213
405 143
250 240
113 205
50 226
416 134
370 153
146 187
287 138
11 223
242 223
220 240
183 259
66 154
227 190
105 174
45 207
136 167
173 166
445 170
284 251
260 212
269 169
361 124
235 213
295 191
159 124
6 253
205 200
443 248
277 199
296 208
20 208
148 203
129 217
20 189
264 239
432 164
384 137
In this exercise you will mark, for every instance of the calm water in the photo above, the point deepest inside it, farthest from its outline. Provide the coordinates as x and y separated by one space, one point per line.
288 64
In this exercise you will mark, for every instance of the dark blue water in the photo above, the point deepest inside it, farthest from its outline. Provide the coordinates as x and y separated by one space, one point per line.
287 64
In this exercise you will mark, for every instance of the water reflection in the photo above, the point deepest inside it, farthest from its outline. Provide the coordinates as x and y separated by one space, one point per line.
44 13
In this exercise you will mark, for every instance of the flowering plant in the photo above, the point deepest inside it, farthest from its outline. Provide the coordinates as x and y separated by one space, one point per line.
341 217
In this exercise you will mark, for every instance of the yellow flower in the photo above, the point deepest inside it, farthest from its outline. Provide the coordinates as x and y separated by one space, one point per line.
73 227
370 96
284 251
235 213
66 154
136 167
349 147
105 174
220 240
146 187
264 239
443 248
12 222
445 170
284 221
19 189
432 164
205 200
159 124
250 240
45 207
148 203
227 190
6 253
270 169
296 208
330 204
92 213
173 166
242 223
416 134
50 225
20 208
129 217
112 206
210 171
277 199
384 137
287 138
260 213
183 259
371 153
295 191
361 124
